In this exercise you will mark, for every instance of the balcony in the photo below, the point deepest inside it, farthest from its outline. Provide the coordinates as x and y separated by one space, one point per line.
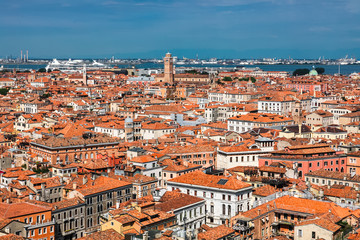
282 222
241 228
69 231
39 225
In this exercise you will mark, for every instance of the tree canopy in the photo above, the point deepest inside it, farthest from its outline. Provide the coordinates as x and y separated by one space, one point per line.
320 70
4 91
227 79
301 71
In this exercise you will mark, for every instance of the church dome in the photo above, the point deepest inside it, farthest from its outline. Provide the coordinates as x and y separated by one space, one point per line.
313 72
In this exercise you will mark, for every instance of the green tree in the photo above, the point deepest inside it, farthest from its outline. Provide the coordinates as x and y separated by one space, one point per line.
219 82
42 70
320 70
4 91
193 71
301 71
227 79
45 95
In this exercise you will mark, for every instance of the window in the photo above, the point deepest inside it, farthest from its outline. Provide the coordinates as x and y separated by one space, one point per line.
223 209
40 231
223 196
300 233
313 235
45 230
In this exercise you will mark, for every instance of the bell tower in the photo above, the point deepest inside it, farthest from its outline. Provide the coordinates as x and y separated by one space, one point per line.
168 68
297 113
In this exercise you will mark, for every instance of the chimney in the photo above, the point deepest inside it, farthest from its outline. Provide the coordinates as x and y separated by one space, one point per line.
74 186
146 235
117 204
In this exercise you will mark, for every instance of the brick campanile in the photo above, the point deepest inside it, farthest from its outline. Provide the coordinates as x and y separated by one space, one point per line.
168 68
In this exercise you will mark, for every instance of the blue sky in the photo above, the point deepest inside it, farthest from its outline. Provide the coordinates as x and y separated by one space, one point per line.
209 28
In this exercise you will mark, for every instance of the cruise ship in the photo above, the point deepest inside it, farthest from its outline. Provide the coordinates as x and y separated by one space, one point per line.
74 65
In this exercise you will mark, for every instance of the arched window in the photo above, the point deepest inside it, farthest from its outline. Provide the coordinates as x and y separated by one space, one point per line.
229 210
86 156
223 209
91 155
80 156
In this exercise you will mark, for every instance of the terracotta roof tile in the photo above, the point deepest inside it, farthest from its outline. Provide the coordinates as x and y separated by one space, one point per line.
202 179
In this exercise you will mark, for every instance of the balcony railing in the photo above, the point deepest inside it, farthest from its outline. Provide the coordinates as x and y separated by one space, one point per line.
39 225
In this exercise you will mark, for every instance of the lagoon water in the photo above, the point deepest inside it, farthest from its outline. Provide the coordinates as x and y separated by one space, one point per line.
329 69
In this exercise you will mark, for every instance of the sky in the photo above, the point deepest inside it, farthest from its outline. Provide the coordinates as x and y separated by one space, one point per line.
189 28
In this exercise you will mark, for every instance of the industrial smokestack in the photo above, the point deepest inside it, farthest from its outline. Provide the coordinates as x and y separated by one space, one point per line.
27 55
